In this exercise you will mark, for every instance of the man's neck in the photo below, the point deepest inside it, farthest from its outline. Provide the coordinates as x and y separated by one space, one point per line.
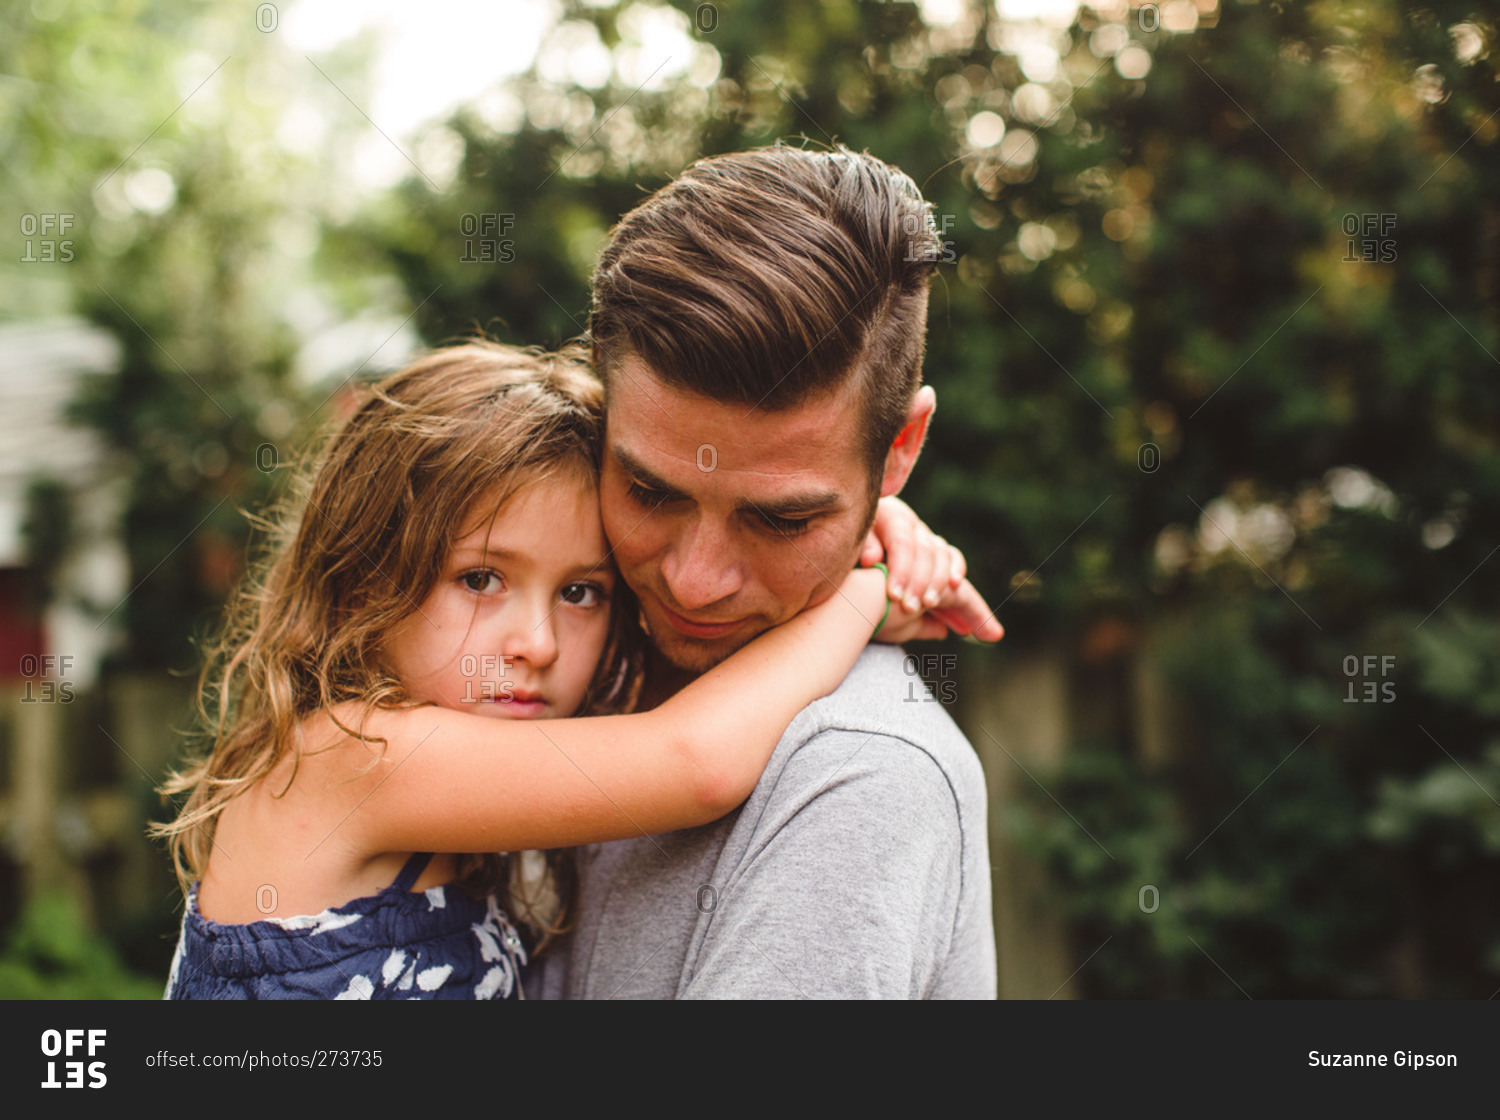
663 680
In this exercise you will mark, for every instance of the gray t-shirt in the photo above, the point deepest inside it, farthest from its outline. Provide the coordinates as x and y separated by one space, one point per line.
858 868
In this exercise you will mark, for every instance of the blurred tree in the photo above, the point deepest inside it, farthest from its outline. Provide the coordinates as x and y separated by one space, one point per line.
196 211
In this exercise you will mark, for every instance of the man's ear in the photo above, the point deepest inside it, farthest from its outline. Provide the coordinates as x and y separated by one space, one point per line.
901 457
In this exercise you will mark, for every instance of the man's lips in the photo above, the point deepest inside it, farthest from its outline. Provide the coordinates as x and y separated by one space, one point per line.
700 629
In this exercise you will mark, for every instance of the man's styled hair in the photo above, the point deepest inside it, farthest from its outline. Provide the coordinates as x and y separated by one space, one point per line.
769 277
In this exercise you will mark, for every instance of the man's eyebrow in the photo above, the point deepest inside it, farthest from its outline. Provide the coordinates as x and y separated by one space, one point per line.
790 506
643 474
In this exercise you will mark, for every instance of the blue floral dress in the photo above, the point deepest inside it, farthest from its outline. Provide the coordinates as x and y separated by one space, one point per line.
434 944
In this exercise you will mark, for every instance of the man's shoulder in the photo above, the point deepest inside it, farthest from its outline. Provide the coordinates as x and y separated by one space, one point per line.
884 701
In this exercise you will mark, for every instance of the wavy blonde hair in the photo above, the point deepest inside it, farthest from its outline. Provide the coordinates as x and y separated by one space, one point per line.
354 547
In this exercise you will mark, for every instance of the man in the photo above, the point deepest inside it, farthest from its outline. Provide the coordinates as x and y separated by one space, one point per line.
759 325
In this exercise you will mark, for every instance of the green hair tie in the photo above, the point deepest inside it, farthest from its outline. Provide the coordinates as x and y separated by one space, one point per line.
887 573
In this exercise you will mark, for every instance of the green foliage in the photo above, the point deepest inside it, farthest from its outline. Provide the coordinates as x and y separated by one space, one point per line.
51 954
194 235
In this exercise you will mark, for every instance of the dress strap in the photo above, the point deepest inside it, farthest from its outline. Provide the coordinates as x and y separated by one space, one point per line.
415 865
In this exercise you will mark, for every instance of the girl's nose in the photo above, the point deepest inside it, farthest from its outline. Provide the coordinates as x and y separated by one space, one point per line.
531 634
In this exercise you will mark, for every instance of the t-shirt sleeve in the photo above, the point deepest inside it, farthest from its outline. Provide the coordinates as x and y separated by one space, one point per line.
851 883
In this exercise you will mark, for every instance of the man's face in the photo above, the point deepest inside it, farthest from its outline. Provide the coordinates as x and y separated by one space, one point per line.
726 519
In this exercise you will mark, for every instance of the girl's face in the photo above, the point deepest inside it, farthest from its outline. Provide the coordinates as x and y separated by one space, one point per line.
517 622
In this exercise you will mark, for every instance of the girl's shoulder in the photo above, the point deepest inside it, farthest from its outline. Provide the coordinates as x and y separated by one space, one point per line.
293 841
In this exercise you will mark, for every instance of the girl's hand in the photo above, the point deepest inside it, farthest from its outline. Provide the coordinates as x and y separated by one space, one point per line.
923 565
927 574
902 625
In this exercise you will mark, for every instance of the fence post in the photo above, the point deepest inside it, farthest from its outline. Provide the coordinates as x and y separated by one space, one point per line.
39 768
1021 699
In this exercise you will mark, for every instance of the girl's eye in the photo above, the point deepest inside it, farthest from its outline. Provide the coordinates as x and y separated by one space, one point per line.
583 594
483 581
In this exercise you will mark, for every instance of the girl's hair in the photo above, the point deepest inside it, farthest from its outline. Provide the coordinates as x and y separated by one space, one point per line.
360 541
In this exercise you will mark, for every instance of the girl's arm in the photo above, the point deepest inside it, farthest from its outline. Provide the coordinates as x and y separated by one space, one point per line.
449 781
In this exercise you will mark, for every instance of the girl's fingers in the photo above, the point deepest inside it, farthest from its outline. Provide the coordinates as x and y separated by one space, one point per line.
896 534
959 569
921 571
938 585
872 552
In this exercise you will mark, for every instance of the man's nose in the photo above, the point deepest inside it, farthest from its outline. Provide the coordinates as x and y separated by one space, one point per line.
701 568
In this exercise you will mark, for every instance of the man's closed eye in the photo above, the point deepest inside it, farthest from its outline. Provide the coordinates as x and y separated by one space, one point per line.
648 497
785 526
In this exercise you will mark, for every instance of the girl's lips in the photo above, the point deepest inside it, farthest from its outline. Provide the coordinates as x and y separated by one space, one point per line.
522 705
700 629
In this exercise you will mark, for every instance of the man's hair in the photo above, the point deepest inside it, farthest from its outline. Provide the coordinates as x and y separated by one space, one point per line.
771 276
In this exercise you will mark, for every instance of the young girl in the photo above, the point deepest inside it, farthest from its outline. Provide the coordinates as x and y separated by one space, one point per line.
440 586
